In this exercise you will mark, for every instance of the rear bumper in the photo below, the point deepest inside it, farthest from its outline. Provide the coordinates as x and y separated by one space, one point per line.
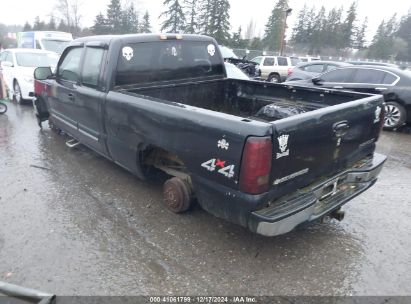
284 214
316 200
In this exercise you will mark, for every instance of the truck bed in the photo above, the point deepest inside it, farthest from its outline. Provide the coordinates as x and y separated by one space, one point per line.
266 102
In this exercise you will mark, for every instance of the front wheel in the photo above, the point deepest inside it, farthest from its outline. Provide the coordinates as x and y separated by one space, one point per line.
395 115
3 108
17 93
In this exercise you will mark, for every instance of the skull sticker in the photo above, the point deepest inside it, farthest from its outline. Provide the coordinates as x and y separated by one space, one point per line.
211 49
127 53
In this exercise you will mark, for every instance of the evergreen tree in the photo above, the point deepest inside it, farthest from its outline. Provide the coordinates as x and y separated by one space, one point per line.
275 26
63 27
348 28
250 30
317 36
384 44
114 17
129 20
204 16
236 40
221 22
404 32
100 26
256 43
145 25
133 19
360 35
175 19
300 29
191 12
26 27
52 24
38 24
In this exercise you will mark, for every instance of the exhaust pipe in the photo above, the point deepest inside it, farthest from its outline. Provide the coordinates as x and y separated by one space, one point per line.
338 215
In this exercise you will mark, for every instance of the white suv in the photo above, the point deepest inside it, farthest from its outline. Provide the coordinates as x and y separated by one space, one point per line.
275 68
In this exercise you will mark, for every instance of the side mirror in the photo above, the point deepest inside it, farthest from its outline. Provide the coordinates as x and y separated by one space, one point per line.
317 80
6 64
42 73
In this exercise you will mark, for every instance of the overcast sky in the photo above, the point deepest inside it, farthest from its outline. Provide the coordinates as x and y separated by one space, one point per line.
242 11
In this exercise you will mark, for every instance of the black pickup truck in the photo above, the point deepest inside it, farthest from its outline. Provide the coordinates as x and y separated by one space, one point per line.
261 155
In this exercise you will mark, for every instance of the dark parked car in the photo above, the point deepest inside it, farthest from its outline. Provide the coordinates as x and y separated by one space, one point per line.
308 70
394 84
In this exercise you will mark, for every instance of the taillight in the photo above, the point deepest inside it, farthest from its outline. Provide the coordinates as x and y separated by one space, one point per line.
290 71
256 165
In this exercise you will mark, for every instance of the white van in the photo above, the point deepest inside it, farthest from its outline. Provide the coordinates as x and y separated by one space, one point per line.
44 40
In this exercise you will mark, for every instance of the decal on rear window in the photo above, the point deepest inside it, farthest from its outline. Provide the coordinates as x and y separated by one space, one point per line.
127 53
211 49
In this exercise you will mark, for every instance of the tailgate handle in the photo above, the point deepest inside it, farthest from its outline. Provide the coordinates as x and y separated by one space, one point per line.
71 96
340 128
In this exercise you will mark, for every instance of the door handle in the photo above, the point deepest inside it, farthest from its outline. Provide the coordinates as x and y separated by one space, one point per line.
71 96
380 89
338 87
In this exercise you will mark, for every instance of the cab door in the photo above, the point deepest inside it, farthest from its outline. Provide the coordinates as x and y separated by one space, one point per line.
62 99
90 99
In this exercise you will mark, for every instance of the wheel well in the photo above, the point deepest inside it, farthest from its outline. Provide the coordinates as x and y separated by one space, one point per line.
150 156
274 73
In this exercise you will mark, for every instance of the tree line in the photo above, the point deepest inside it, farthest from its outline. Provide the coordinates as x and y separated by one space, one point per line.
335 32
316 31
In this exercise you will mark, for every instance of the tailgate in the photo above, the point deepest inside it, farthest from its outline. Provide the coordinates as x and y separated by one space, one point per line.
321 143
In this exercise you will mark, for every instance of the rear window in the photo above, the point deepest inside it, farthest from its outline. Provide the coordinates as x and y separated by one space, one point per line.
268 61
282 61
167 60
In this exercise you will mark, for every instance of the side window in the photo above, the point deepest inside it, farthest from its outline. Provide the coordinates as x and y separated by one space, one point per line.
389 78
315 68
282 61
340 75
3 56
331 67
92 65
9 57
368 76
268 61
70 66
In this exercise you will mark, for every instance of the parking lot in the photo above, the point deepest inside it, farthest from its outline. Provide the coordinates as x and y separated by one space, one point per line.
72 222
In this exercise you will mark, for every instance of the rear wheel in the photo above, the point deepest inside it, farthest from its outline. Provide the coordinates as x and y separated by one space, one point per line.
395 115
17 93
177 195
3 108
274 78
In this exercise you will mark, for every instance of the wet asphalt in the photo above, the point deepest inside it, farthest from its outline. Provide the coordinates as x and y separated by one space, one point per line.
73 223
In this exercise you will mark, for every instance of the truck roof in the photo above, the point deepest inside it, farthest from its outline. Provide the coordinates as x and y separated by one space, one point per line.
135 38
